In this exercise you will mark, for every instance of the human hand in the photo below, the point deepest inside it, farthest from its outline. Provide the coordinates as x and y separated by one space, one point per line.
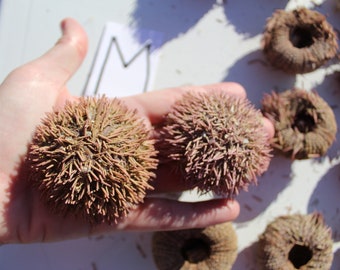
39 86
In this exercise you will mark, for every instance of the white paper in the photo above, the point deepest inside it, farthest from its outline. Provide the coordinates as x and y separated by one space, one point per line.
125 63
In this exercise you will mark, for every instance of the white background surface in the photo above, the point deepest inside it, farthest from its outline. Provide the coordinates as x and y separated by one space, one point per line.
204 42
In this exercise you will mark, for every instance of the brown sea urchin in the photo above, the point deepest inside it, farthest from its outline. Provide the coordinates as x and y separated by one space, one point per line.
296 242
92 159
217 140
305 125
214 247
299 41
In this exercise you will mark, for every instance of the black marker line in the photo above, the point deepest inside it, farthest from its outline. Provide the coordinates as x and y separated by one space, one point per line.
114 42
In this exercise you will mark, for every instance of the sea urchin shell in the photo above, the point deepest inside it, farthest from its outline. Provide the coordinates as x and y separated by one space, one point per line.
296 242
305 125
214 247
299 41
217 140
92 159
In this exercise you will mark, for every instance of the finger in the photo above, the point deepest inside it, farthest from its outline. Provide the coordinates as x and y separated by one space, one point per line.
44 79
60 62
269 128
33 89
164 214
156 104
169 179
153 214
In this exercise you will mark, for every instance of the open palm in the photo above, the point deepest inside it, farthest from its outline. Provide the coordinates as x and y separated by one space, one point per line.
39 86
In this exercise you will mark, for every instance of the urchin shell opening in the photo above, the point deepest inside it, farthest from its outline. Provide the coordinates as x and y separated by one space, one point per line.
195 250
302 36
304 120
300 255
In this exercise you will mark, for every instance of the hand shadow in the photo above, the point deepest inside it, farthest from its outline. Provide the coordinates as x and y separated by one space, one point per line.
258 76
248 258
250 17
270 184
169 17
328 89
325 199
336 260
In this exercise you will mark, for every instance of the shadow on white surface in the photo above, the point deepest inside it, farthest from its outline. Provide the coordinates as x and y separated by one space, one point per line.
325 199
249 19
257 76
121 251
258 198
336 260
173 18
328 89
247 258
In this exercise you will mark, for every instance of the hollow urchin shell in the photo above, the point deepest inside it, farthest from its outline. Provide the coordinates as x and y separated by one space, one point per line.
217 140
298 41
305 125
296 242
214 247
93 159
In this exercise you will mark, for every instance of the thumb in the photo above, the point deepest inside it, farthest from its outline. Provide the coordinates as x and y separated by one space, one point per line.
62 61
34 88
52 70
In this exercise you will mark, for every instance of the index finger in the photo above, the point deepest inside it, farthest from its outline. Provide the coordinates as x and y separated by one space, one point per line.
154 105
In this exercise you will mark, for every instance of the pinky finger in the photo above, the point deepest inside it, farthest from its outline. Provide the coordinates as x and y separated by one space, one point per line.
164 214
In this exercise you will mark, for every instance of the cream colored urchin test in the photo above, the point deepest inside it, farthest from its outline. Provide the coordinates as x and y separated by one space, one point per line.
213 247
296 242
305 125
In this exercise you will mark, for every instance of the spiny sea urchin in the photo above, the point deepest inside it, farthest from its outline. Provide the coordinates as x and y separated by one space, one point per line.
296 242
92 159
299 41
214 247
217 140
304 123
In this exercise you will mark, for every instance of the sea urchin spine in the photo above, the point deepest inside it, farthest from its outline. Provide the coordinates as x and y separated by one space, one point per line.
92 159
217 140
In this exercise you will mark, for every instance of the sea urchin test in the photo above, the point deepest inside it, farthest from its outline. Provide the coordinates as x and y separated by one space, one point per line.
218 142
213 247
305 125
299 41
93 159
296 242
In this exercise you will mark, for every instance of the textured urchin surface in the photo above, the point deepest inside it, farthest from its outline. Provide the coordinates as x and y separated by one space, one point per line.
296 242
305 125
218 142
214 247
299 41
92 159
